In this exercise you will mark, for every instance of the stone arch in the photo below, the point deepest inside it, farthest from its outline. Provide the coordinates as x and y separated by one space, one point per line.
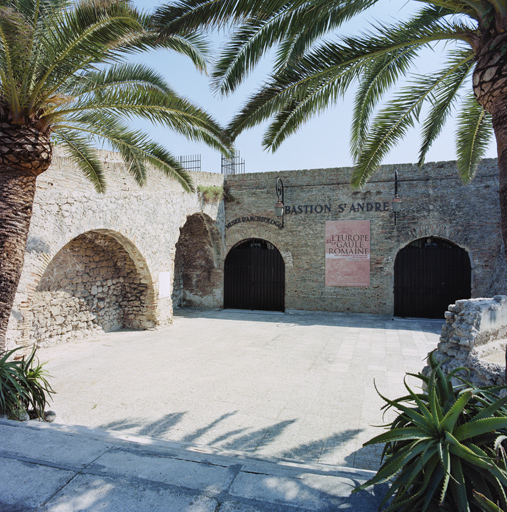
239 236
457 237
97 282
429 274
198 264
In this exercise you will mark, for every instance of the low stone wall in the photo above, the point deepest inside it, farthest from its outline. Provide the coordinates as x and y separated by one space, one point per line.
474 328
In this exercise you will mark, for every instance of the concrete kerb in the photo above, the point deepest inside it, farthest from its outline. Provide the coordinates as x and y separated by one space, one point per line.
69 468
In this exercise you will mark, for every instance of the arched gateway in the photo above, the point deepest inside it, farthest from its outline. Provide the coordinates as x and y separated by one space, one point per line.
430 274
254 277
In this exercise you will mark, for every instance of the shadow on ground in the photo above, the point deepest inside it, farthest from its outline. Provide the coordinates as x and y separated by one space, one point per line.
252 441
321 318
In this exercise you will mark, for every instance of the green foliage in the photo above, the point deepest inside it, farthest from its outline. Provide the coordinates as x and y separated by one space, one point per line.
64 70
24 387
211 193
445 450
313 71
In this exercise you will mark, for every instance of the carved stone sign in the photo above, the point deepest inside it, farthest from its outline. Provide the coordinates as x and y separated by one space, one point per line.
348 253
254 218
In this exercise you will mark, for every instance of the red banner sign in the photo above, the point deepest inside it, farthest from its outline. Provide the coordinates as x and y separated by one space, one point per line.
348 253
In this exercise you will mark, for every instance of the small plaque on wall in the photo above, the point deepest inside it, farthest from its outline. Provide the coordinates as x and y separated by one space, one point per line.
348 253
164 284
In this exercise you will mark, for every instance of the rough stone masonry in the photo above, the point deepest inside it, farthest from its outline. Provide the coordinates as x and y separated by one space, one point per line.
100 262
435 204
125 258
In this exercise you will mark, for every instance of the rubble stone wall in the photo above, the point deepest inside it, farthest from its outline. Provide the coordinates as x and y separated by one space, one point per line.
91 285
130 229
197 279
474 328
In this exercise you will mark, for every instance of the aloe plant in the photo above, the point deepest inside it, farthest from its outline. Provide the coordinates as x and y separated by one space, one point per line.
23 385
445 448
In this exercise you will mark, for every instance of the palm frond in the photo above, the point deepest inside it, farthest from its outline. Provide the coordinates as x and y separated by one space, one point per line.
475 131
120 76
159 107
14 37
383 72
337 60
295 27
392 124
193 46
456 71
74 39
185 16
84 156
135 147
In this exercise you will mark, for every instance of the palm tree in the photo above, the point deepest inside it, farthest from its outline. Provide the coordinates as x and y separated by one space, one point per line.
65 79
311 73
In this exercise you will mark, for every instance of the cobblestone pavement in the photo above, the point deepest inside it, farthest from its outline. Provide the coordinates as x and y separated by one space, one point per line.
297 385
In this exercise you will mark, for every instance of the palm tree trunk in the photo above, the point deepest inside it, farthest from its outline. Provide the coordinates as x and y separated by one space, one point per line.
500 127
490 88
17 193
25 152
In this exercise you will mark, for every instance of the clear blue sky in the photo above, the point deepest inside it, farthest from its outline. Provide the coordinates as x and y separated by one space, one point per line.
322 142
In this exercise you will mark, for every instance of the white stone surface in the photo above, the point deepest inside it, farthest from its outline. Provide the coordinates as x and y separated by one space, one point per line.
297 386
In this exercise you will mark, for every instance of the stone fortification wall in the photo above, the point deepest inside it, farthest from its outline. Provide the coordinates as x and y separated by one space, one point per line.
102 261
435 204
474 329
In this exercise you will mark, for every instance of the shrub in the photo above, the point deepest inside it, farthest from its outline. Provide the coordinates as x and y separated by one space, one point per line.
24 388
445 449
211 193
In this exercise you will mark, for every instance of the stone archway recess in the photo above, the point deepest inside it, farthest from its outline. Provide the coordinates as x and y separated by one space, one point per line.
98 282
198 274
429 274
254 276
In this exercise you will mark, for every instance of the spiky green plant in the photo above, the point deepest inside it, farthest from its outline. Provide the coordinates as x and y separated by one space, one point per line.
24 387
444 445
11 389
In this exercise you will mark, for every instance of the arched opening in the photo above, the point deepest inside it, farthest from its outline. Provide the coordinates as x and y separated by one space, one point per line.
254 277
197 282
91 285
429 274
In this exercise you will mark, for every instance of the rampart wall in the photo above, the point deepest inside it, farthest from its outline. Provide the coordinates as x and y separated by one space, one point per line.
96 262
435 204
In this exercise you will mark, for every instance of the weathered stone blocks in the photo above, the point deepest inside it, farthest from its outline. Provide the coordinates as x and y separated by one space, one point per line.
101 287
470 326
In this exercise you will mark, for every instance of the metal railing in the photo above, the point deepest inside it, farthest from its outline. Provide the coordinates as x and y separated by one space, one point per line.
190 162
234 165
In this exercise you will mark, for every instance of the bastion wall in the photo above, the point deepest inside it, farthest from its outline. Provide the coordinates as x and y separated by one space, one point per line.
435 203
98 262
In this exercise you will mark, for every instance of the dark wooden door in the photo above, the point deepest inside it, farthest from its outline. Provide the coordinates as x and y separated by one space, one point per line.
430 274
254 277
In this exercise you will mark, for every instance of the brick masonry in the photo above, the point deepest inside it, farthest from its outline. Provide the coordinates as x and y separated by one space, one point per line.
435 203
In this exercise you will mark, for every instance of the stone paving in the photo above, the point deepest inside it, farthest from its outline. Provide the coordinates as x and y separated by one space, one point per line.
276 385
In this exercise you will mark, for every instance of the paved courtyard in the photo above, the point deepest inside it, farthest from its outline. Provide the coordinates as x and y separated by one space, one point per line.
271 384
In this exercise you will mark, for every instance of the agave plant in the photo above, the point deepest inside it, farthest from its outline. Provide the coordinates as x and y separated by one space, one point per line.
445 449
24 387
